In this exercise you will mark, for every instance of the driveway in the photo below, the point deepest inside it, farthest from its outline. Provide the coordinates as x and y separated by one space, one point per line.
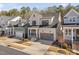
8 51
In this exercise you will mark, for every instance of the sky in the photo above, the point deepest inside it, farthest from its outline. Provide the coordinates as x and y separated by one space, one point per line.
7 6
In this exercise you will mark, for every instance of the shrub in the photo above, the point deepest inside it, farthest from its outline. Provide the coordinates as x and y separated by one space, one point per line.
65 46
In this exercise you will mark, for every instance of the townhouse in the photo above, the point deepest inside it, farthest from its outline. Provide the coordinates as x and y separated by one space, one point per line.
44 28
71 28
11 25
21 30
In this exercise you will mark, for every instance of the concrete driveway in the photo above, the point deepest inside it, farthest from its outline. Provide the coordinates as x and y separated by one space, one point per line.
8 51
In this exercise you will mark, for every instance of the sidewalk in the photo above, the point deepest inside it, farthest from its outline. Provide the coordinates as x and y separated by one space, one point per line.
33 48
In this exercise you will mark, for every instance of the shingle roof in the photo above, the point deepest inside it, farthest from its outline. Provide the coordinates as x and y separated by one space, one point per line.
49 26
7 17
49 15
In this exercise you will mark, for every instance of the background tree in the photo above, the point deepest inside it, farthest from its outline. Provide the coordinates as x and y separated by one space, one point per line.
13 12
4 13
61 10
23 12
34 9
28 12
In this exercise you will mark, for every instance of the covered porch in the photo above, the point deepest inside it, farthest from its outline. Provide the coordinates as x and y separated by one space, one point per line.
33 33
72 34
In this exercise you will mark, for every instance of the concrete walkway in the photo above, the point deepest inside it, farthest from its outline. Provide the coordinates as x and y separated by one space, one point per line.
36 49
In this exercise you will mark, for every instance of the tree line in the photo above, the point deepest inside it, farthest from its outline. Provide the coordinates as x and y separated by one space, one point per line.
25 12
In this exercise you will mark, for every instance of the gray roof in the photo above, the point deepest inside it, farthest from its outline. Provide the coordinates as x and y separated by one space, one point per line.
72 12
49 26
56 19
19 29
49 15
70 25
7 17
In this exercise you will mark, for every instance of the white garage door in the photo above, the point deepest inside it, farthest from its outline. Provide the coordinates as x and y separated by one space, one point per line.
19 34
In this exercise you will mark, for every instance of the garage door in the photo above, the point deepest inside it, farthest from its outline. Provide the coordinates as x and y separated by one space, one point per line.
46 36
19 35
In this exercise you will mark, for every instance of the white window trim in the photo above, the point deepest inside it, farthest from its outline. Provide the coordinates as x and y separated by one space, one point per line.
68 33
72 19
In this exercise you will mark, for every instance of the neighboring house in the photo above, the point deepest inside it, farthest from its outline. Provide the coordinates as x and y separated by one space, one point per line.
8 23
45 28
4 20
71 28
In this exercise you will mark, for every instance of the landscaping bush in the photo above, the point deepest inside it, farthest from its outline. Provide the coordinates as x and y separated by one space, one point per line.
61 51
65 46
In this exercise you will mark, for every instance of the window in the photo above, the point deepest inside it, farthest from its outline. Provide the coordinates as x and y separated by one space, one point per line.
66 31
33 22
73 19
69 31
45 22
33 15
70 20
65 17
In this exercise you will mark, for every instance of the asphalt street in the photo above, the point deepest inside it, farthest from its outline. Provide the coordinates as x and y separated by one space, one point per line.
9 51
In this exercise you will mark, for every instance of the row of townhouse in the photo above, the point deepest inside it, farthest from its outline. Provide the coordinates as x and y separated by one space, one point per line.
44 28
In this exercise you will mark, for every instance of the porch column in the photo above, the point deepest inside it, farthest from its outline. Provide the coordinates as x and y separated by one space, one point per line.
64 34
36 33
28 32
72 38
75 33
13 31
55 35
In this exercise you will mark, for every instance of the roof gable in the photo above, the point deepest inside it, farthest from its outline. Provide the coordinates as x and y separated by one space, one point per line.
72 12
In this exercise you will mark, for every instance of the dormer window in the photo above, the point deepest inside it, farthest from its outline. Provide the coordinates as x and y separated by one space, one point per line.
72 19
33 23
34 15
65 17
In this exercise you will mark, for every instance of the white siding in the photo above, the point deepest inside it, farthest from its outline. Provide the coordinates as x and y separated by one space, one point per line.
68 18
37 18
19 34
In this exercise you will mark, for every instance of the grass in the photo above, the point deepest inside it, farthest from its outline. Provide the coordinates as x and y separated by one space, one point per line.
56 49
16 46
26 42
